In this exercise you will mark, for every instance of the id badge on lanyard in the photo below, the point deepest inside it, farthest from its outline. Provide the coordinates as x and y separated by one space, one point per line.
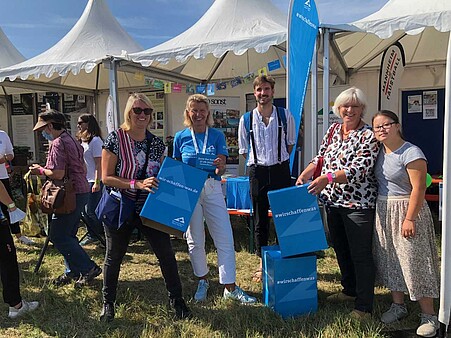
203 161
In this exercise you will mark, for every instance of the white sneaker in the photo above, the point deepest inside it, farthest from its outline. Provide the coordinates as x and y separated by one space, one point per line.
428 325
202 291
239 295
26 307
25 240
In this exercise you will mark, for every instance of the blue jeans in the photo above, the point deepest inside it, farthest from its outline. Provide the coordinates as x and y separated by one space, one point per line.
351 233
94 225
63 234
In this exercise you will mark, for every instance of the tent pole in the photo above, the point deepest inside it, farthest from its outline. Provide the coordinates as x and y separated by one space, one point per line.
326 44
314 104
445 287
113 91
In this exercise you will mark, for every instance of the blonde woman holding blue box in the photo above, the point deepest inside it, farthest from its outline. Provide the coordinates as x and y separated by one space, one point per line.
201 146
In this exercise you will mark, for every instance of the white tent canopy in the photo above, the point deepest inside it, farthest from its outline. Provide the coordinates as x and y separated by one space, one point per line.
233 38
95 37
404 16
9 55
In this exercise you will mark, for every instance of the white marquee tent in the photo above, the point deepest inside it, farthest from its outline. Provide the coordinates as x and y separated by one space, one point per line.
233 38
400 17
9 55
94 39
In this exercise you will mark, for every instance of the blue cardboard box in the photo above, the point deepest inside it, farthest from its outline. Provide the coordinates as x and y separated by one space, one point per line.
237 193
170 208
289 284
297 220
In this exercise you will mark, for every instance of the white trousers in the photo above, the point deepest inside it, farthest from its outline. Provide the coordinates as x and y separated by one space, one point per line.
212 207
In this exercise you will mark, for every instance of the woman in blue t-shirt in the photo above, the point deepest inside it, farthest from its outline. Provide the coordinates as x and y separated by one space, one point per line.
201 146
405 252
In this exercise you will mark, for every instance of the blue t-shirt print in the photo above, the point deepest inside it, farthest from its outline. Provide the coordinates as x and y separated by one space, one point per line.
185 150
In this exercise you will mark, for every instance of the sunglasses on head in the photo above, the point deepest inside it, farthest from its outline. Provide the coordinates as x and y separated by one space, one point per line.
139 110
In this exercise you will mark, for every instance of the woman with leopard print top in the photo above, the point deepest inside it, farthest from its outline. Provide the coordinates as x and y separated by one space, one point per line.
348 188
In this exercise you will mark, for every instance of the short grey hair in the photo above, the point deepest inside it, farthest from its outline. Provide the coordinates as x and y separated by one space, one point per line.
352 94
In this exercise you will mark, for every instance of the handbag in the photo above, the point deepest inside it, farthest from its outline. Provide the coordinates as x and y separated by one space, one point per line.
115 209
35 221
58 196
320 162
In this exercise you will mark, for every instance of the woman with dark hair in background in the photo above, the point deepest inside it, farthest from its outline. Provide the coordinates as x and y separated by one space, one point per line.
90 136
404 244
65 159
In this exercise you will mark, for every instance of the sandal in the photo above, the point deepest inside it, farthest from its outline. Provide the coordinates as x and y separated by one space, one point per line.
257 276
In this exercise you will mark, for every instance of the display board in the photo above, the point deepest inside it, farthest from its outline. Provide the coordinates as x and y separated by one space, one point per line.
158 128
226 117
22 122
423 114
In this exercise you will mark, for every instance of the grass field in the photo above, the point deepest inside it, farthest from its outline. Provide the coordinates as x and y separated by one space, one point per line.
142 302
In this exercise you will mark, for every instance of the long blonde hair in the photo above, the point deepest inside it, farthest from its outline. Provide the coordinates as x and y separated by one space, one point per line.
128 108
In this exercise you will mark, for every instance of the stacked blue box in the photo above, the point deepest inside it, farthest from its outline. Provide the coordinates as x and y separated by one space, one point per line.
297 220
289 284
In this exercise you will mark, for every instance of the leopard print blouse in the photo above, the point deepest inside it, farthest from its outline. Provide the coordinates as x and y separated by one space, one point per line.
356 155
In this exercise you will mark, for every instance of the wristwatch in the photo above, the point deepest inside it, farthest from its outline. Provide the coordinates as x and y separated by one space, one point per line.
334 176
11 205
331 177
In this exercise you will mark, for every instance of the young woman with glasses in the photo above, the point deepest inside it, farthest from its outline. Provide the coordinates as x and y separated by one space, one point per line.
404 241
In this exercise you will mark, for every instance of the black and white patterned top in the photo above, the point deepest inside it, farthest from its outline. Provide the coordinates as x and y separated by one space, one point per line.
356 155
139 149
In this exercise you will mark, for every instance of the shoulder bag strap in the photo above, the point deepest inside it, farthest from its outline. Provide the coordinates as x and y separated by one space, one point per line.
331 133
142 175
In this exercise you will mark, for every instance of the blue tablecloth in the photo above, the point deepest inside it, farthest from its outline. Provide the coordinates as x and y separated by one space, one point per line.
237 193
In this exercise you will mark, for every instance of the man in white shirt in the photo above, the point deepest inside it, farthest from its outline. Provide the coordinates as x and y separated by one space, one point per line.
266 139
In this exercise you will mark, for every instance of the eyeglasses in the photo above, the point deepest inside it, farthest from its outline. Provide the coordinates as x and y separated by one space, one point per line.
139 110
384 126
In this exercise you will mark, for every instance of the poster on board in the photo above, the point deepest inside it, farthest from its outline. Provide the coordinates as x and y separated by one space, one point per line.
226 117
430 109
414 104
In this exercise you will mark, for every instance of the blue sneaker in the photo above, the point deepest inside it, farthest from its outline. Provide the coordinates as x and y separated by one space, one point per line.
202 290
239 295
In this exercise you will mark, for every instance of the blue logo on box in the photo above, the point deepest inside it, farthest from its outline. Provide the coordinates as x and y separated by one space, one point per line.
170 208
289 284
